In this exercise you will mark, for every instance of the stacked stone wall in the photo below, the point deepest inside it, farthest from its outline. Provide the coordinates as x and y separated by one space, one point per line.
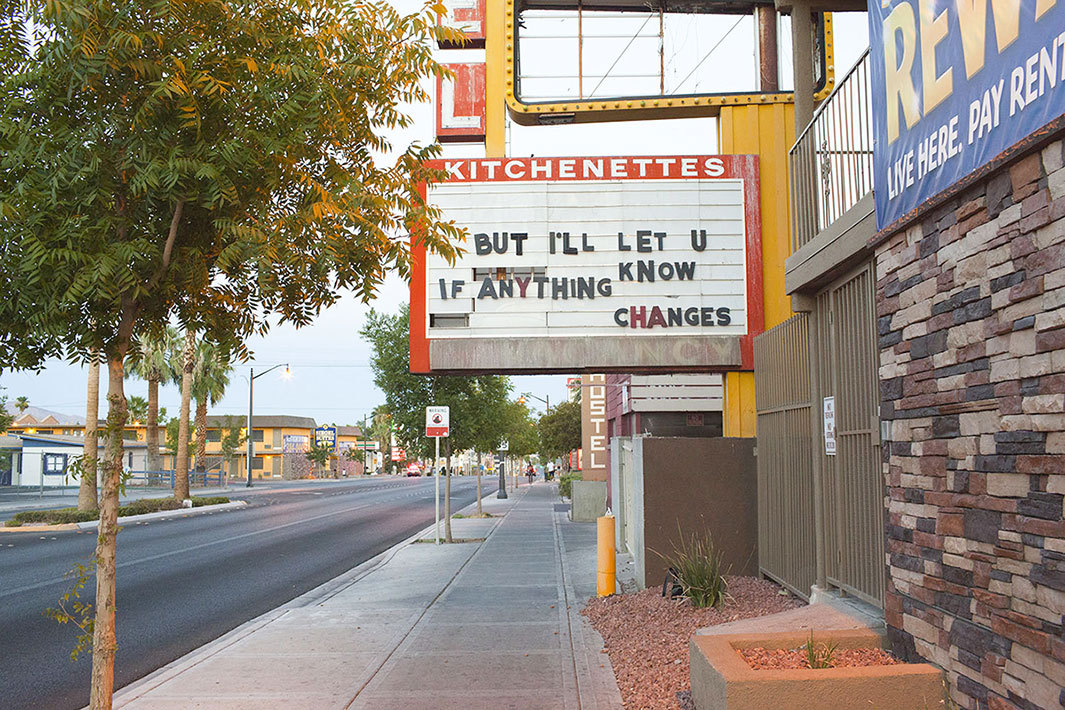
971 324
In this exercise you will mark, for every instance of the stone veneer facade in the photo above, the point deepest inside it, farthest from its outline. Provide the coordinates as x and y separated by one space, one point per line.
971 316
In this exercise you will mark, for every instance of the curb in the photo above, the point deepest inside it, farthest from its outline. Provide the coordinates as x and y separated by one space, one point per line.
93 524
178 513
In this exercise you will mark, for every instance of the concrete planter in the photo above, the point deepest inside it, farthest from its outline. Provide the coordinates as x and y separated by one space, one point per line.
721 678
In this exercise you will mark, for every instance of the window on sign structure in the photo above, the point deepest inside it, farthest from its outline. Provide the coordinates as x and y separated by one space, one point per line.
506 274
55 464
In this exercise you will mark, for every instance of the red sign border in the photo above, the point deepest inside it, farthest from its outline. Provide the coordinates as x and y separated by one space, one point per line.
743 167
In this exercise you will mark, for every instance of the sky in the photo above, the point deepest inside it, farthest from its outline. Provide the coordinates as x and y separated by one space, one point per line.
330 377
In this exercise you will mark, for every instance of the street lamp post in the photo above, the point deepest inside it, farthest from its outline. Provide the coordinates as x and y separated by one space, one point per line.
251 399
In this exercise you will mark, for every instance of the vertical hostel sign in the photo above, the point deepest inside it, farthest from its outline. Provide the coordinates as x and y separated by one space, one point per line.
594 452
460 104
633 264
955 84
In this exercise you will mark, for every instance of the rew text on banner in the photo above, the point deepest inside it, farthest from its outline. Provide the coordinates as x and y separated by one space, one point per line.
956 83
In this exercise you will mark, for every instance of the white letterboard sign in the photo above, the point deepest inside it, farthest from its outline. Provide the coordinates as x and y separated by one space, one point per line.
579 247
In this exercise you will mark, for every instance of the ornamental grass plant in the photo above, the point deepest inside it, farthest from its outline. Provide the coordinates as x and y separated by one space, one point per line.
697 566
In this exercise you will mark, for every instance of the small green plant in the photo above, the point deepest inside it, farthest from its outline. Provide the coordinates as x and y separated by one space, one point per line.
819 655
72 610
565 484
698 568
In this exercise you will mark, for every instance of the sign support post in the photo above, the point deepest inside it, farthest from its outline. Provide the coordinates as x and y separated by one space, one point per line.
437 424
436 497
504 446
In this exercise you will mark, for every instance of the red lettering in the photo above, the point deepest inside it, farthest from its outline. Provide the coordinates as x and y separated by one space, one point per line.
656 318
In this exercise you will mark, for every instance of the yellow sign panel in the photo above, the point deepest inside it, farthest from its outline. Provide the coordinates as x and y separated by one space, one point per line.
630 108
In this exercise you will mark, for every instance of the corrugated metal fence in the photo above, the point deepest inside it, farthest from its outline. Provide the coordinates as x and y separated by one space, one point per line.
785 473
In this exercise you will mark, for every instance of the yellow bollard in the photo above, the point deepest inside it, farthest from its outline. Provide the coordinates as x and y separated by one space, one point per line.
606 579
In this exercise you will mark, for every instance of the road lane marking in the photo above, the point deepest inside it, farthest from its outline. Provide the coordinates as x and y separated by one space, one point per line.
184 550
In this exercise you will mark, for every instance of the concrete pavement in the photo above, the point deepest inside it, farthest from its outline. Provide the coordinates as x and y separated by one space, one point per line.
490 624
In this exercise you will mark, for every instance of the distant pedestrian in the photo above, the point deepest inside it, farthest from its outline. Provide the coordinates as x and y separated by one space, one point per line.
530 473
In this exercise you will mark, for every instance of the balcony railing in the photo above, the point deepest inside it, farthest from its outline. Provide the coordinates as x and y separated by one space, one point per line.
831 163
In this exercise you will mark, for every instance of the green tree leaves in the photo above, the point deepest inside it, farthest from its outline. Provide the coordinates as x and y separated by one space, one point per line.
478 405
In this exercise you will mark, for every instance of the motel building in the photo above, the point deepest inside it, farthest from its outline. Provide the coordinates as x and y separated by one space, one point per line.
834 338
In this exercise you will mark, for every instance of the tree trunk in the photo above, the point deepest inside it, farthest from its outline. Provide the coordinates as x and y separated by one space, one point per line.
154 464
447 492
103 640
89 459
201 435
181 468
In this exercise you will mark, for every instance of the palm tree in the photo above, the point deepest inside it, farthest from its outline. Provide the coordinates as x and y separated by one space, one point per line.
153 366
22 403
210 377
138 408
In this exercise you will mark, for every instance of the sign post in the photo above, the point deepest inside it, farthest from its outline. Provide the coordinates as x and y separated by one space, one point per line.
437 425
504 446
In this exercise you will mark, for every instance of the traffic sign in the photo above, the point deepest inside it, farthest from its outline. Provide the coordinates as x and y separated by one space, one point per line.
504 444
437 421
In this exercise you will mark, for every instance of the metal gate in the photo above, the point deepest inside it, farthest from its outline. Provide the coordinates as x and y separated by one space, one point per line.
785 474
853 481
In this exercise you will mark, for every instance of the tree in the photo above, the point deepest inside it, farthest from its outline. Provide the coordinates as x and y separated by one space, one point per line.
210 377
138 407
381 432
151 363
475 402
560 430
319 456
520 430
6 418
21 403
215 162
231 440
90 466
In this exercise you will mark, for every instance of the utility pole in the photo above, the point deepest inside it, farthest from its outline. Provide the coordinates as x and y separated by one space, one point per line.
251 391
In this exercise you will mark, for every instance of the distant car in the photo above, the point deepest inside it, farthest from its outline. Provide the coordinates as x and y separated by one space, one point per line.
413 470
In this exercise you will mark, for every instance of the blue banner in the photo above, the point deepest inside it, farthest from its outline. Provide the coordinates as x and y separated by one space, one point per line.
955 83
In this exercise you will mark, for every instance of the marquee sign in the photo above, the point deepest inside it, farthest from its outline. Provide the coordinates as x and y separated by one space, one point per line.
956 83
592 264
326 436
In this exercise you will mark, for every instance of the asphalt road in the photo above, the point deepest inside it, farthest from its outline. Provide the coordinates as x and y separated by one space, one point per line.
186 581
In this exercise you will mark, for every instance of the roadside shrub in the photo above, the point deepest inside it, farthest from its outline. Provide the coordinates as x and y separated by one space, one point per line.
52 517
136 507
565 484
697 566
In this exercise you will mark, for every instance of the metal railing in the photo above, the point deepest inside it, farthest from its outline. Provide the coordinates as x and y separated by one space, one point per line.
831 163
165 479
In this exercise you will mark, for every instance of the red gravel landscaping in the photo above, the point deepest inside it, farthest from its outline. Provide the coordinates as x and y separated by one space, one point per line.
763 659
647 636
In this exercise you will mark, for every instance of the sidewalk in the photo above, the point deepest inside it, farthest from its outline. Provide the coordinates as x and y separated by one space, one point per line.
490 624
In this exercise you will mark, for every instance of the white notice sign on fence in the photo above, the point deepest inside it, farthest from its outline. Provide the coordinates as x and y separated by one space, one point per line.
830 426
